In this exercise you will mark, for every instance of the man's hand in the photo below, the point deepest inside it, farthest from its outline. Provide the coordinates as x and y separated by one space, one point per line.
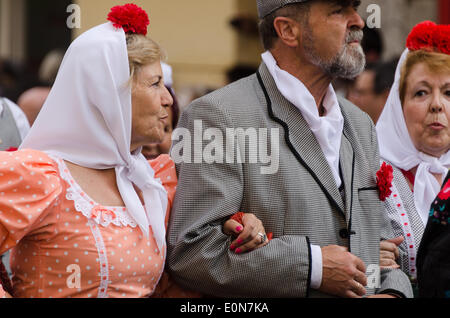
344 274
389 253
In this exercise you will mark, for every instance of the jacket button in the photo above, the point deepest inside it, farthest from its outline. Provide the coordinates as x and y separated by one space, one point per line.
344 234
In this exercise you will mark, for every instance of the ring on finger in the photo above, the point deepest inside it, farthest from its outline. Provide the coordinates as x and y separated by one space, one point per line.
358 286
263 237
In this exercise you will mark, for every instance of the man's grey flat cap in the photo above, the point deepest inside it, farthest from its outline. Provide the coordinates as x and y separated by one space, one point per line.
266 7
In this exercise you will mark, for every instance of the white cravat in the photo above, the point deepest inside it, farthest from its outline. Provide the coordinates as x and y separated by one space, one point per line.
327 129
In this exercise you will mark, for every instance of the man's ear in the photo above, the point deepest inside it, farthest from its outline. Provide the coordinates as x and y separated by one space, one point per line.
288 31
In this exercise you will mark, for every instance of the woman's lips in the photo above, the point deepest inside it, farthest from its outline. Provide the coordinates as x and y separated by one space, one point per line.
436 126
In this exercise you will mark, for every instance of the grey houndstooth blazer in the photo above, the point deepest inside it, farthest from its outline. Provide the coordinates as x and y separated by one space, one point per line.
300 204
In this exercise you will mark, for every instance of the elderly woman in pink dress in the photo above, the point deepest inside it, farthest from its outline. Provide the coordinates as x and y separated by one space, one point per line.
82 210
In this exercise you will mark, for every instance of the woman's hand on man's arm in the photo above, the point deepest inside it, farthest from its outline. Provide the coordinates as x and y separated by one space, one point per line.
248 235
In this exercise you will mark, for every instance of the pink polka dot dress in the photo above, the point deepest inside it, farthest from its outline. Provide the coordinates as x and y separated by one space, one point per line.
65 245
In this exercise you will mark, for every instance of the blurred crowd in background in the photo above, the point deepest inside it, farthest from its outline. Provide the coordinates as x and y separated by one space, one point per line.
28 82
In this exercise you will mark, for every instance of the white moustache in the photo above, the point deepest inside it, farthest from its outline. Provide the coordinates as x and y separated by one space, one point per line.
355 36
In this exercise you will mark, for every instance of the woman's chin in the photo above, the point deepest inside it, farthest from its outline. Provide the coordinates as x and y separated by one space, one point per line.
436 149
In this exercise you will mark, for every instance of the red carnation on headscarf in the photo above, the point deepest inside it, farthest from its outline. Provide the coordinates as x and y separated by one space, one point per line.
442 38
429 36
421 36
130 17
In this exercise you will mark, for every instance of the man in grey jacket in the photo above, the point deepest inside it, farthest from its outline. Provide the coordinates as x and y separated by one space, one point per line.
316 191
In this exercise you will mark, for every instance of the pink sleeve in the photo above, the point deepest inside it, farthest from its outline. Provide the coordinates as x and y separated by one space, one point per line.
29 185
2 292
165 170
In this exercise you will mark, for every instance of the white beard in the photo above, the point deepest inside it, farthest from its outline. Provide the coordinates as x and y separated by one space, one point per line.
348 63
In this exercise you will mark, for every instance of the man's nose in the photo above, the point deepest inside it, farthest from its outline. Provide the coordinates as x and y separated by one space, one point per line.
356 21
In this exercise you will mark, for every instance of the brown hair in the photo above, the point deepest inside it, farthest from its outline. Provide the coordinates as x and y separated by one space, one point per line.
268 34
436 62
142 51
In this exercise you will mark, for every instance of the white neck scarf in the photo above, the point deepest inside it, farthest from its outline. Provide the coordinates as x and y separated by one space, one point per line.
327 129
397 147
87 118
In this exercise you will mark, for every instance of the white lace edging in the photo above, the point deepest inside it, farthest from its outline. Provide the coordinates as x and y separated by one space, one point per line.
101 215
407 230
104 269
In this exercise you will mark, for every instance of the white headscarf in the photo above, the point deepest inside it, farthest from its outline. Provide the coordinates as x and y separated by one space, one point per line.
396 146
86 120
167 73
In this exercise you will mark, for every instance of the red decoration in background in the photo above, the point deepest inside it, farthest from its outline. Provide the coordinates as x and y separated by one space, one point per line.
444 11
384 181
130 17
430 37
12 149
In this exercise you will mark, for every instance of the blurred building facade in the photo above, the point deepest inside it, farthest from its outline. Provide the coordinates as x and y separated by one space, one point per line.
398 17
200 42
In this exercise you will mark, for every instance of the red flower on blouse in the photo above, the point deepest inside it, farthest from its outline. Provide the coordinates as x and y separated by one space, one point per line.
384 181
130 17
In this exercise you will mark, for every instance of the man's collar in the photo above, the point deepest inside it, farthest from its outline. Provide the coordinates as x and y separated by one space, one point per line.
296 91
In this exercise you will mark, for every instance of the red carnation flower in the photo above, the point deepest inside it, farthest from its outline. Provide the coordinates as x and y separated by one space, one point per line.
421 36
430 37
238 217
442 38
384 181
12 149
130 17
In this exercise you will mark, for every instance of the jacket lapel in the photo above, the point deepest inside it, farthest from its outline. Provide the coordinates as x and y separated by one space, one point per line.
300 138
347 159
